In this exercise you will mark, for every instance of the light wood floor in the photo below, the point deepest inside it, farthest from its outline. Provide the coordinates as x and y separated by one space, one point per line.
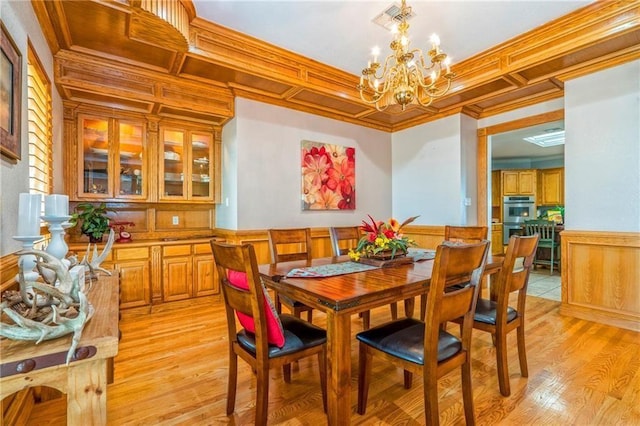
172 370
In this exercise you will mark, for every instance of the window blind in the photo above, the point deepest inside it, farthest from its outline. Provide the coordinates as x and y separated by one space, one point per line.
40 123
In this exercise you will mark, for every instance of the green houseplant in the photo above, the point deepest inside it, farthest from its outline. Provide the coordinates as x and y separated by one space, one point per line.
94 221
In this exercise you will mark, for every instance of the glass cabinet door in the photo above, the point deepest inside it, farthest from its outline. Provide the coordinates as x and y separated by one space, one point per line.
201 165
173 161
94 157
131 161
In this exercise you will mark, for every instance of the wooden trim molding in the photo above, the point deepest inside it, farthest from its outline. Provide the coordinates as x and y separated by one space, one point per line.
600 273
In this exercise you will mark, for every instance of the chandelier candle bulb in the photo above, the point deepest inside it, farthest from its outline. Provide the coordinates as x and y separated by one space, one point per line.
29 214
56 205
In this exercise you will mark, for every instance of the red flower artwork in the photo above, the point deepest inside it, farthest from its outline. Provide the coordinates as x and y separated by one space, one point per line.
328 177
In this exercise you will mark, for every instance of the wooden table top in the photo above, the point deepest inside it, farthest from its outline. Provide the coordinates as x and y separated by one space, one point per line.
355 292
101 331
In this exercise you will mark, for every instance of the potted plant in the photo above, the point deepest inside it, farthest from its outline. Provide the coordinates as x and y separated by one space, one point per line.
94 221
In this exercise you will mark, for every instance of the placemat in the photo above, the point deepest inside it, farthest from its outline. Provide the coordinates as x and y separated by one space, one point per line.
329 270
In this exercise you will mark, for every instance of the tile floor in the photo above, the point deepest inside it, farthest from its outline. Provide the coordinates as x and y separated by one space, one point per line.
542 284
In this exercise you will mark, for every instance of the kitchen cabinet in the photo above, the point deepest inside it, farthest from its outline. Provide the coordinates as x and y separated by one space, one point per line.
186 164
496 192
112 159
497 246
551 187
518 182
187 271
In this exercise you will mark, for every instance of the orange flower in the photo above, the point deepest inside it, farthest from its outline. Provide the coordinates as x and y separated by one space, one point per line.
394 224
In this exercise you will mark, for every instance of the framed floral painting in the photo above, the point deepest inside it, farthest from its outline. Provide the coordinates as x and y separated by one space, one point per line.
328 176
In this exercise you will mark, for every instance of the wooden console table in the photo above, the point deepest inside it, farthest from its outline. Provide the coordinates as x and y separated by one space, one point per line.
84 380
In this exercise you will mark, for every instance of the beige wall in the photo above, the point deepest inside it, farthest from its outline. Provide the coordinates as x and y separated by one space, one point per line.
21 23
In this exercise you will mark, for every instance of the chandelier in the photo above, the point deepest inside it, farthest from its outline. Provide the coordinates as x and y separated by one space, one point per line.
405 78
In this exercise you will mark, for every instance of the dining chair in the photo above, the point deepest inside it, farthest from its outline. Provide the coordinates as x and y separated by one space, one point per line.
458 234
422 347
267 340
546 230
497 317
351 235
287 245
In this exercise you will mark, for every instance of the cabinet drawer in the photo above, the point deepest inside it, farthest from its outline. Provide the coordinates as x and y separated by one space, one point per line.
132 253
204 248
181 250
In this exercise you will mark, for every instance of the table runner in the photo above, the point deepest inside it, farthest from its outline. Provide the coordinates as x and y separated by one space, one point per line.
350 267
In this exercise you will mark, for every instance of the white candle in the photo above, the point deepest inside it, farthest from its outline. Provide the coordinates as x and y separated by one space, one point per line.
56 205
29 215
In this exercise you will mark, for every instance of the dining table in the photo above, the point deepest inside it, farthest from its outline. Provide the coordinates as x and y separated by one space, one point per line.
338 289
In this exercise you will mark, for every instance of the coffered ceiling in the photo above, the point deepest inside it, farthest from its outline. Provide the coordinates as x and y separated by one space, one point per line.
108 53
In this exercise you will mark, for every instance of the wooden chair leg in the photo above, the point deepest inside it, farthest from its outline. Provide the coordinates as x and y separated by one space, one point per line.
431 414
366 320
322 366
522 352
286 373
262 397
408 379
467 393
503 367
232 383
423 306
394 310
364 371
310 315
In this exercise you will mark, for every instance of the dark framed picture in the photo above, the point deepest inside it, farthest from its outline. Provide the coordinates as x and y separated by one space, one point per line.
10 90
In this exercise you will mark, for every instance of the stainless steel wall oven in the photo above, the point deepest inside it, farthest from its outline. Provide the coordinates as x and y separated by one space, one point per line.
517 209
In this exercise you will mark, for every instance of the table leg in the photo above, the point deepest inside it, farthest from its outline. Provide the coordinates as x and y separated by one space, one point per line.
338 368
87 393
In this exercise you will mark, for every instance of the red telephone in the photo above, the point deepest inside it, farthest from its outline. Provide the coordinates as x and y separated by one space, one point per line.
123 236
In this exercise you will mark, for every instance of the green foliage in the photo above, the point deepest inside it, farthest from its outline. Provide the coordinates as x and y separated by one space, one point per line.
94 221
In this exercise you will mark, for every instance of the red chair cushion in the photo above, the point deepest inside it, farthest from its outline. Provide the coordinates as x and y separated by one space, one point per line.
275 332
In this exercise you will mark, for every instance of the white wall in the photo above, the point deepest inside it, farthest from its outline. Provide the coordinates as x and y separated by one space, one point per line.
602 150
266 140
22 24
427 172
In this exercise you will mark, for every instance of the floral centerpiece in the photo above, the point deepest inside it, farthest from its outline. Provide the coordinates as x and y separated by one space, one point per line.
383 240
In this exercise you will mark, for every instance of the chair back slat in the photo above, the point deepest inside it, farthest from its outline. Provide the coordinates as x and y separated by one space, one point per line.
465 234
344 238
514 274
544 228
290 244
241 258
463 263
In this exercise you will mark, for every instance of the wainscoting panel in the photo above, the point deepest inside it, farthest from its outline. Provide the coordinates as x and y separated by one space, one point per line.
601 277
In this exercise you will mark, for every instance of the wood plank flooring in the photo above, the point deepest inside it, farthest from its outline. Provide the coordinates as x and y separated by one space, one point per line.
172 370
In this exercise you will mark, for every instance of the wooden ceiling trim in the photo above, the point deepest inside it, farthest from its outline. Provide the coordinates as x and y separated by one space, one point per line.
119 102
116 80
521 103
211 101
315 111
327 103
523 93
612 60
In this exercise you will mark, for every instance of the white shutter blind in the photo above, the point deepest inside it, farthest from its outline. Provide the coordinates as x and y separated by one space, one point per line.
40 134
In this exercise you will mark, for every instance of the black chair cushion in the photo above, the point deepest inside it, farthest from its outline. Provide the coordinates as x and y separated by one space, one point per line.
486 312
404 338
298 335
289 301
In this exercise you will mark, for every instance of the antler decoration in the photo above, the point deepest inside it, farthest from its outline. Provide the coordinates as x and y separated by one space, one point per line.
41 311
96 260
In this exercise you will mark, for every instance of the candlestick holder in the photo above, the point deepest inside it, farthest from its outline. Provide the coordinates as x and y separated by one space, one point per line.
28 261
57 246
